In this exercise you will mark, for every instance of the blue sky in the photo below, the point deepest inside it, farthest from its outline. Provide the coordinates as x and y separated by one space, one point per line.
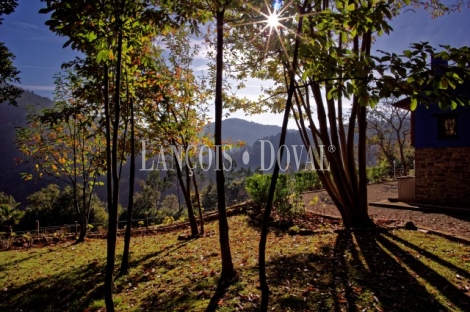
39 53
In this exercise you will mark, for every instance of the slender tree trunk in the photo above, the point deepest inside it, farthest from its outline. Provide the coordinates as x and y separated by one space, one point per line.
83 226
187 198
81 237
198 201
228 270
272 187
84 221
130 204
360 215
187 190
113 212
109 173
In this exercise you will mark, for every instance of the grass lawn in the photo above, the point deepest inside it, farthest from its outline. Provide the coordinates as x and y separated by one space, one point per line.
398 270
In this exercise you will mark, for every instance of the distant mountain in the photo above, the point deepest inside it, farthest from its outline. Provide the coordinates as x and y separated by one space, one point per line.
12 117
233 129
236 129
264 150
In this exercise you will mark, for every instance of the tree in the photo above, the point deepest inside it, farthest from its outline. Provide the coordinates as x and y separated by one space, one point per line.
389 129
64 143
8 73
149 201
334 65
170 202
173 112
107 32
228 270
10 215
53 207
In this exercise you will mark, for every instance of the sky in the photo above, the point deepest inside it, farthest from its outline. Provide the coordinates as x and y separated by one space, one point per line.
39 52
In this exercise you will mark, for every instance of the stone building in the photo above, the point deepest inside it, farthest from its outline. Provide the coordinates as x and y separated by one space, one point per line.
442 153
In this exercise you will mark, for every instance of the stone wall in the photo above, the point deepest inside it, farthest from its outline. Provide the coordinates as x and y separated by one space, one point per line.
443 176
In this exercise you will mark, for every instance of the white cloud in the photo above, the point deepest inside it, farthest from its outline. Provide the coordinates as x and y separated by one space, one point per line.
37 87
28 26
38 67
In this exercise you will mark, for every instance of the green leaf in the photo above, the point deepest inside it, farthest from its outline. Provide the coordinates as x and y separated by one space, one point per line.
414 103
443 83
339 4
91 36
103 55
329 96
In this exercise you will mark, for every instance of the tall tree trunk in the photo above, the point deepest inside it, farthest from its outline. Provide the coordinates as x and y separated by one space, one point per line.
187 192
84 219
130 204
198 201
74 182
360 215
272 187
113 212
187 198
83 226
228 270
109 173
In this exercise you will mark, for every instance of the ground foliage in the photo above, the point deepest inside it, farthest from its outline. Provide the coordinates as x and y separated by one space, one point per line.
395 270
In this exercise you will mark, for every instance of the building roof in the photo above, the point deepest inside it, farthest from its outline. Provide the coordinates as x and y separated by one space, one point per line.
403 103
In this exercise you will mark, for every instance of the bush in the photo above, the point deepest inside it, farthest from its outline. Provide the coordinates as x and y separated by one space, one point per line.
307 181
53 207
257 187
377 173
287 196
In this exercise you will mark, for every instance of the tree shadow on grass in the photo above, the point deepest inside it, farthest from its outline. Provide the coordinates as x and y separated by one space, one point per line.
362 270
73 290
167 250
76 289
194 294
454 296
389 283
221 290
175 286
428 254
33 253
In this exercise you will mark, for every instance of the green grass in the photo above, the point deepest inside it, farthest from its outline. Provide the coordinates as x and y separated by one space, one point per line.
363 271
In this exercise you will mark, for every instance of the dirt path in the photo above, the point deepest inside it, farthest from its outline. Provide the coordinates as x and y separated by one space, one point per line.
455 224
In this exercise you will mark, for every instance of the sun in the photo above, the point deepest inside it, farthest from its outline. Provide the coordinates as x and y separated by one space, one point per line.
273 20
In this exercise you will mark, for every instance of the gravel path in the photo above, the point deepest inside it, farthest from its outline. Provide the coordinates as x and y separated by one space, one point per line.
458 224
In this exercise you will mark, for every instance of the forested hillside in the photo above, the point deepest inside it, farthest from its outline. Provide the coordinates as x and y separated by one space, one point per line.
12 117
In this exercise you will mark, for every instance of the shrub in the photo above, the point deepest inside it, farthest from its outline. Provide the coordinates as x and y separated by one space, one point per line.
168 220
257 187
307 181
377 173
287 196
